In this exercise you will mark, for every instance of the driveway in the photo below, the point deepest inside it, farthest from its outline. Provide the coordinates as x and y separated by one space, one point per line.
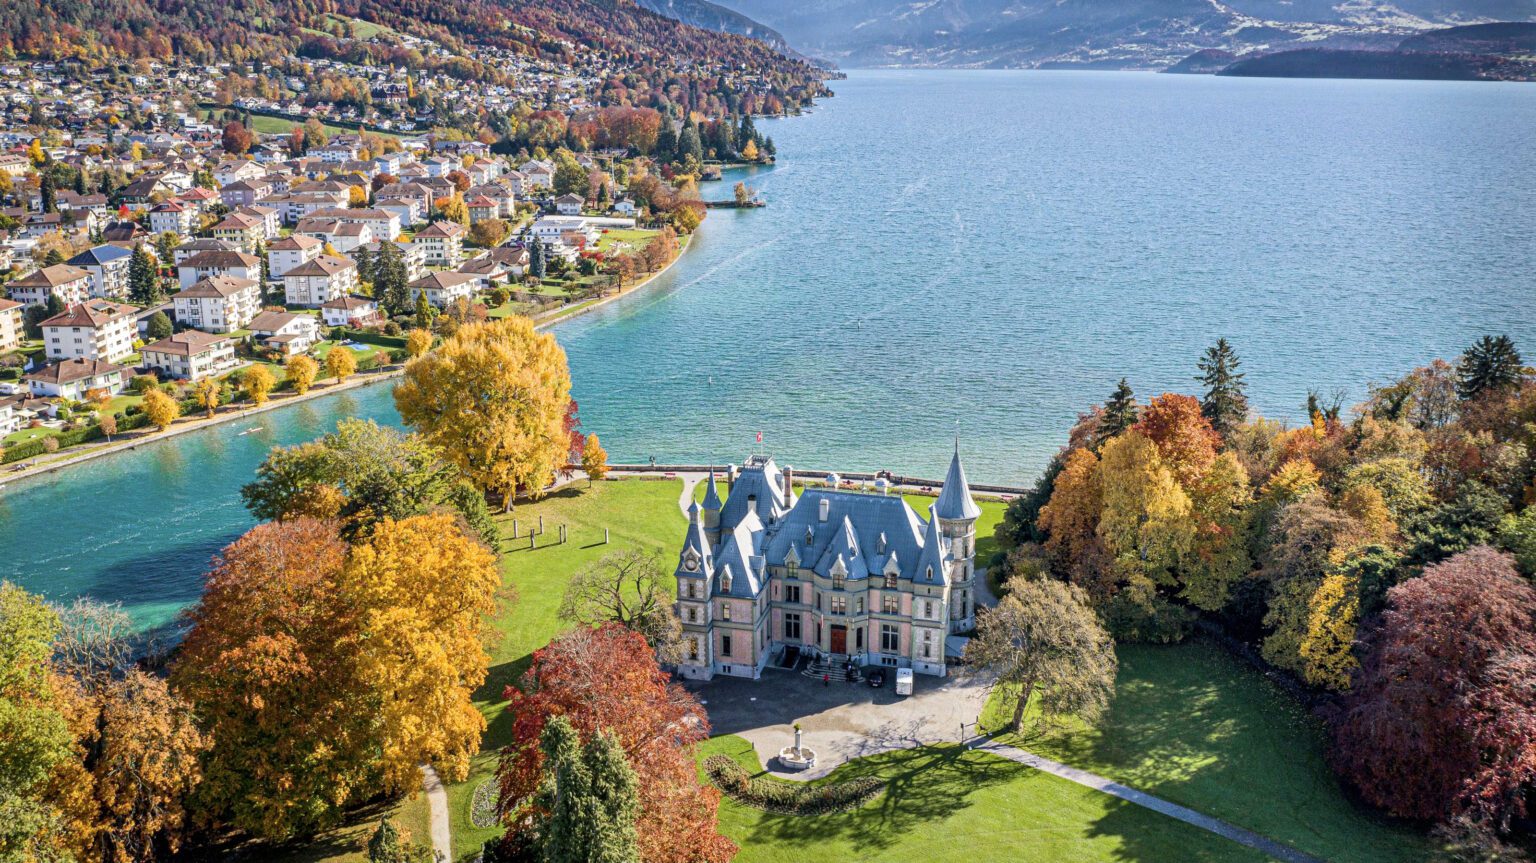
841 721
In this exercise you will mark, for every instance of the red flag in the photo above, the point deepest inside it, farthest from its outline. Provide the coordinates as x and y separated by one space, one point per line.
759 437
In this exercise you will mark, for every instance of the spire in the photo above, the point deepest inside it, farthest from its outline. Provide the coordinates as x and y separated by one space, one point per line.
693 513
711 496
955 503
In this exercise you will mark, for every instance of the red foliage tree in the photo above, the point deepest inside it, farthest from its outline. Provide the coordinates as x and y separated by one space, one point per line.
607 679
1183 435
237 139
573 432
1440 720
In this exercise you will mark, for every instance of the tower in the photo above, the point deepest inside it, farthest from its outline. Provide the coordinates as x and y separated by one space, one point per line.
711 511
956 513
695 573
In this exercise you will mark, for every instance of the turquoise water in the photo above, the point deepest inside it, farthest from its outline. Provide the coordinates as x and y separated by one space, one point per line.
981 251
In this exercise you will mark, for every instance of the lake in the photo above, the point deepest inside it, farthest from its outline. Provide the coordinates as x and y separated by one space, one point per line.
981 253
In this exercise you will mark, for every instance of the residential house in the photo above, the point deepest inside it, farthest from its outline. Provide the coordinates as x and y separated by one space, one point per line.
486 271
384 224
218 304
537 174
11 325
174 216
569 204
72 379
558 229
96 329
191 355
204 264
108 266
443 243
443 288
413 256
286 332
341 236
243 193
285 253
315 282
202 244
271 219
351 311
69 283
247 232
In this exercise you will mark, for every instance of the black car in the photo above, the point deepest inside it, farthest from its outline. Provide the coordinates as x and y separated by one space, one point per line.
877 679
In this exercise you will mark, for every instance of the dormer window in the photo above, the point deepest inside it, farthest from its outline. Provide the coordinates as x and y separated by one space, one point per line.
837 581
791 569
930 573
890 580
725 581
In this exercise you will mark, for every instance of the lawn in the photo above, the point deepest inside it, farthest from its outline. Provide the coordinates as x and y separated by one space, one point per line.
1194 725
633 238
948 803
347 843
24 435
637 513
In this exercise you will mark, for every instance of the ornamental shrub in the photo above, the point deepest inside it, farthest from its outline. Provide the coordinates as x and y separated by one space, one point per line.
785 798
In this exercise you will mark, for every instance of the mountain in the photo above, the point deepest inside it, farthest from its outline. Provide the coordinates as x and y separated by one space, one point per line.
712 16
1478 52
1100 33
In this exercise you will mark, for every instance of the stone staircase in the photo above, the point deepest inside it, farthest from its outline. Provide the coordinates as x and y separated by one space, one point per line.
833 668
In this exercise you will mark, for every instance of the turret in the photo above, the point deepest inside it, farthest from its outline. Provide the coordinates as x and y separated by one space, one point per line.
711 510
956 512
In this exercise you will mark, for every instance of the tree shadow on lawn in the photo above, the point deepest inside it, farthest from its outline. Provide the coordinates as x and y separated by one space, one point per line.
1143 835
351 836
923 787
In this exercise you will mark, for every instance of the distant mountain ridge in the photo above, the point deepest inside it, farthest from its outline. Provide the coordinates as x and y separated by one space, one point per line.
712 16
1122 34
1479 52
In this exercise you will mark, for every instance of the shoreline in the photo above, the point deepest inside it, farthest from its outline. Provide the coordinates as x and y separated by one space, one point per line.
185 425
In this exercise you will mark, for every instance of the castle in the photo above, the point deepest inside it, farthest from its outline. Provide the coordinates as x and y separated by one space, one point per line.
841 576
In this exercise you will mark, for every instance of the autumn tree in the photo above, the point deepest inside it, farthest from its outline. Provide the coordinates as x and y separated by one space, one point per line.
1071 521
629 588
206 393
1218 558
594 459
34 734
417 343
107 422
1147 527
607 680
1044 640
236 139
257 381
301 372
389 844
493 397
1184 437
339 363
1225 403
1424 732
161 409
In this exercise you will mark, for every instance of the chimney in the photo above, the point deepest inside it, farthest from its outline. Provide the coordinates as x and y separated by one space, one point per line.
789 482
826 508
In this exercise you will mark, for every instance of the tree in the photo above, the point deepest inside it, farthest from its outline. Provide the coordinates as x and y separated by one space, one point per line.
1070 522
207 395
628 588
107 422
493 397
357 197
749 151
591 796
1218 557
570 177
1044 639
389 845
159 326
417 343
538 264
390 284
743 195
34 734
301 371
1225 403
1417 735
257 381
1491 365
594 459
1119 413
236 139
606 680
339 363
161 409
1146 520
144 278
424 312
489 232
1183 435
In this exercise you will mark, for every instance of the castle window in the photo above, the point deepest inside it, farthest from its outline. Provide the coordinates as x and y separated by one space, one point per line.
791 593
858 606
927 644
725 611
930 573
837 581
858 638
725 645
725 582
928 608
890 603
791 570
890 639
693 650
818 601
693 614
792 627
839 605
890 581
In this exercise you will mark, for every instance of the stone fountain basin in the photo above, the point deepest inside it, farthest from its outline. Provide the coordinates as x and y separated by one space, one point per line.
792 758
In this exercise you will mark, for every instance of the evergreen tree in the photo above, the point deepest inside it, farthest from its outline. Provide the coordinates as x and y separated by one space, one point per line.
144 278
592 797
1491 364
666 142
52 258
690 147
389 282
384 845
537 264
80 182
159 326
1119 413
364 259
50 194
423 311
1225 404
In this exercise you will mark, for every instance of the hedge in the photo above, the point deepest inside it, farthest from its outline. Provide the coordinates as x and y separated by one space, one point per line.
784 798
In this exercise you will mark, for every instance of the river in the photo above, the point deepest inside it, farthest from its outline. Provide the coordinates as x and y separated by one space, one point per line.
976 252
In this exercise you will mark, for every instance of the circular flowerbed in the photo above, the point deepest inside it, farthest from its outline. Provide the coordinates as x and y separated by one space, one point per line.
785 798
482 807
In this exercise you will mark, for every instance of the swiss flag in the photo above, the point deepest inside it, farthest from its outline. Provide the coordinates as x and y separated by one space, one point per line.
759 437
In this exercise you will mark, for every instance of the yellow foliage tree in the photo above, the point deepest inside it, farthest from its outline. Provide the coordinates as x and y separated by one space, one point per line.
594 459
161 409
493 397
417 343
257 382
1327 649
207 395
749 152
1146 522
340 363
1071 520
301 372
357 197
1219 556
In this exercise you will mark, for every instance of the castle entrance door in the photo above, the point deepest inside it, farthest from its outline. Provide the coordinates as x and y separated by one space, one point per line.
839 639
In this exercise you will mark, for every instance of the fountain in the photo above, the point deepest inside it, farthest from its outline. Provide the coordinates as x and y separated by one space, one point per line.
797 757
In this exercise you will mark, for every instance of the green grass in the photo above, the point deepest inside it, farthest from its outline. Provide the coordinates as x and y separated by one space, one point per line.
1191 724
635 238
24 435
348 843
945 803
637 513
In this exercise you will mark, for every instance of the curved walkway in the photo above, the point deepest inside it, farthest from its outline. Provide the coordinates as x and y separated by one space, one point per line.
1277 850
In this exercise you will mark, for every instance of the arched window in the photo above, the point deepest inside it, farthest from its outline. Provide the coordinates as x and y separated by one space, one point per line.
725 582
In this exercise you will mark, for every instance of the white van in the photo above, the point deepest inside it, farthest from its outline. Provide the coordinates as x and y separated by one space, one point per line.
903 681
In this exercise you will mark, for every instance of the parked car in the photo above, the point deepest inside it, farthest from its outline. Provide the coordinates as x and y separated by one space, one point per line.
903 681
876 679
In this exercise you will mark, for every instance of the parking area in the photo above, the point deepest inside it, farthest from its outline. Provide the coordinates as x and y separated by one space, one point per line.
840 721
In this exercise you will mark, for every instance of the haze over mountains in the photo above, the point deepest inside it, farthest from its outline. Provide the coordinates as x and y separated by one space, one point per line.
1128 34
